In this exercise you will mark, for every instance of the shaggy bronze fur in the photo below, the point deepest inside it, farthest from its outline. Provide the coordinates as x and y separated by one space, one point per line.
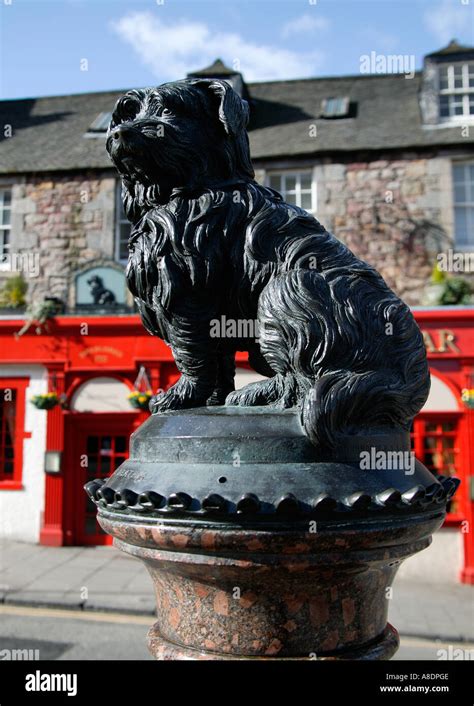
210 244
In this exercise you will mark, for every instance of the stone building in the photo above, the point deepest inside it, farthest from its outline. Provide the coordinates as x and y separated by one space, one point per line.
385 161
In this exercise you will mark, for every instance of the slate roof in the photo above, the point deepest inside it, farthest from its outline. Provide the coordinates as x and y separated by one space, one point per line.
48 133
217 68
452 48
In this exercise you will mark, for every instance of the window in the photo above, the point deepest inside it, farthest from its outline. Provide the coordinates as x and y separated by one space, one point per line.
99 126
296 188
435 443
101 123
463 196
5 221
122 227
337 107
12 432
456 91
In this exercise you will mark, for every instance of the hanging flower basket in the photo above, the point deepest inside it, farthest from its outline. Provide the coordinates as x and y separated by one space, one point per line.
47 401
468 398
140 400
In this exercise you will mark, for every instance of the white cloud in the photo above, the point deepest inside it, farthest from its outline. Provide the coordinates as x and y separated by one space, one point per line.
384 41
171 50
448 19
304 23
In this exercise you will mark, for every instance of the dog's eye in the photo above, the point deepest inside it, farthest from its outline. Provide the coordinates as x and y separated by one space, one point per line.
128 107
166 111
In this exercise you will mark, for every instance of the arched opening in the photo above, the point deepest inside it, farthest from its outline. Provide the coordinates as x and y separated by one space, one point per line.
101 394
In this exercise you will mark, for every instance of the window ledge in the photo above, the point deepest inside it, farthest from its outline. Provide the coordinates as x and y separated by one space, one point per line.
443 125
11 485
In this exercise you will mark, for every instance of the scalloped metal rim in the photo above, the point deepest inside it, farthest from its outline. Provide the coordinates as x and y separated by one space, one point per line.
360 503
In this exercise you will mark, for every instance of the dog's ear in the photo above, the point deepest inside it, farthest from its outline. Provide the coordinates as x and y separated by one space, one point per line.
233 110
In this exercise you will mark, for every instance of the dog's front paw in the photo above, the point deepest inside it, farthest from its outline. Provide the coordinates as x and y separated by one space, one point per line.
218 397
184 394
279 391
254 394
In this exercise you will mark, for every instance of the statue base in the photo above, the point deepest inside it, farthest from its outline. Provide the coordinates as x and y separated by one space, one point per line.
258 548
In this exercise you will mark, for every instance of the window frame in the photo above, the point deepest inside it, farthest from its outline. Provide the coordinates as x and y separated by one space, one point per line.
5 228
418 435
468 205
20 385
465 92
118 222
298 173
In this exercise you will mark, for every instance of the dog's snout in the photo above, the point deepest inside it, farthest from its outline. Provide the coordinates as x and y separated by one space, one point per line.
121 132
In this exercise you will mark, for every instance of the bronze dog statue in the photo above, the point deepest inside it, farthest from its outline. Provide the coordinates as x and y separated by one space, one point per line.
208 243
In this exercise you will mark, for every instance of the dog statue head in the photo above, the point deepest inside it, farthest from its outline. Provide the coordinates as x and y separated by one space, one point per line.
189 135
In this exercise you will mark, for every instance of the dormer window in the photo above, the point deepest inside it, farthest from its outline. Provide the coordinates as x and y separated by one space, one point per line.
456 90
335 107
99 126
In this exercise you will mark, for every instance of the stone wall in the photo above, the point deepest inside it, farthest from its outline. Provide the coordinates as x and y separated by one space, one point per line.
65 220
395 214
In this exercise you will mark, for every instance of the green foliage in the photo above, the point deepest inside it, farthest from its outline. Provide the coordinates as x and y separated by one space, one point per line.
13 292
438 276
455 291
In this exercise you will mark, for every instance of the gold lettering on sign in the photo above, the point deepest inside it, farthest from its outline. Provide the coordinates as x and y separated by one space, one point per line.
446 341
94 350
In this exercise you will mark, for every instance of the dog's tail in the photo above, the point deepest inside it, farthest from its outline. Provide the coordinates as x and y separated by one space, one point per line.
353 345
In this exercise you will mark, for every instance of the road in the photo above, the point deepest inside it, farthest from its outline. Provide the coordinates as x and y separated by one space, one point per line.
66 635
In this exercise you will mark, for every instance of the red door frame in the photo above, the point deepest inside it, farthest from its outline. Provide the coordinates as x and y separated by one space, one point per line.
460 448
77 427
20 385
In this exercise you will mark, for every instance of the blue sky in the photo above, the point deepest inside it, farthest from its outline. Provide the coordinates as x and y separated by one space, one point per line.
145 42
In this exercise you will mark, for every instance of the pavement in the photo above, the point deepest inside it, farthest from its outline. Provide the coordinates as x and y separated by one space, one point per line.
103 579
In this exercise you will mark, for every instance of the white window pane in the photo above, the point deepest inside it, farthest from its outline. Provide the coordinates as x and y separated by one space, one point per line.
4 241
7 197
458 77
274 182
443 79
444 106
124 236
122 214
5 219
290 182
458 173
470 172
306 201
471 105
306 181
290 198
125 229
460 193
460 215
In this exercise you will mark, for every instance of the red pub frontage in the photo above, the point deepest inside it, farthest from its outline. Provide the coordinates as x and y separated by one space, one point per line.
92 364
